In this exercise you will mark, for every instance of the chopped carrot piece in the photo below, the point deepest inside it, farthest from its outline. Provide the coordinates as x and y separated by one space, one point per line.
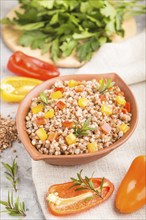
40 121
106 128
61 105
61 89
52 136
68 124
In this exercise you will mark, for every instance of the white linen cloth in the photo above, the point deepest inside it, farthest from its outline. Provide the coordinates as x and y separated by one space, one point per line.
128 60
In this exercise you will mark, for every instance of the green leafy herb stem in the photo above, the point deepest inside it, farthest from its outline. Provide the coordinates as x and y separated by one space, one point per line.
16 208
11 173
83 130
86 183
105 84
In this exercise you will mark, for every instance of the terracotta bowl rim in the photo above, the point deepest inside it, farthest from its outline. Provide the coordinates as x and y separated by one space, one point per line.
35 154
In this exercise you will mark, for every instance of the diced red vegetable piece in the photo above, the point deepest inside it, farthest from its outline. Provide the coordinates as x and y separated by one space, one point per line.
61 105
40 121
106 128
127 106
61 89
68 124
124 110
102 97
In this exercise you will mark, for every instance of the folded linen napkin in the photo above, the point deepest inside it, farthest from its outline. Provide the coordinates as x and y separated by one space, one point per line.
126 59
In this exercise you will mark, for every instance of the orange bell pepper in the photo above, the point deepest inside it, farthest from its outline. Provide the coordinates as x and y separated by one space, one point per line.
64 200
61 105
40 121
68 124
131 194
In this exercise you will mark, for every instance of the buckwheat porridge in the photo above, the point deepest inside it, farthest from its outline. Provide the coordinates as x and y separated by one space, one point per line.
75 117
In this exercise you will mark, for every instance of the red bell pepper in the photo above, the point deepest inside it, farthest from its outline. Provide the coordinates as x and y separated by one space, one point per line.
24 65
127 106
61 89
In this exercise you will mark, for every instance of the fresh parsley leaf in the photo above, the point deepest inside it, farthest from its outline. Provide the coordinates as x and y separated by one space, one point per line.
88 24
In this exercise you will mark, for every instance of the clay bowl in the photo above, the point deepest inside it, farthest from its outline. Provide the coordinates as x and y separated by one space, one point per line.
81 158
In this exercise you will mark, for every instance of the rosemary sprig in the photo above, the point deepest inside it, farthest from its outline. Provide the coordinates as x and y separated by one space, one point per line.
86 183
105 84
11 173
16 208
44 98
83 131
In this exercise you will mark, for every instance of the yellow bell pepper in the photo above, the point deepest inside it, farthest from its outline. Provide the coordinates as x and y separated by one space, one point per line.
72 83
83 102
36 109
56 95
14 89
92 147
70 139
106 109
120 100
123 127
41 133
49 114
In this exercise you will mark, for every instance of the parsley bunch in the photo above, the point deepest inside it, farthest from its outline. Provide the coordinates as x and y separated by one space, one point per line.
64 27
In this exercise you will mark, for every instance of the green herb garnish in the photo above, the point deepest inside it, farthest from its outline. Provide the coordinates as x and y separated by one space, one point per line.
86 183
44 98
11 173
16 208
62 27
83 131
105 84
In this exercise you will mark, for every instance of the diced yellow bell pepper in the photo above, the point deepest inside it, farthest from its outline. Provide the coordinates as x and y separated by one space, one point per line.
123 127
37 109
41 133
72 83
49 114
92 147
56 95
70 139
120 100
83 102
106 109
